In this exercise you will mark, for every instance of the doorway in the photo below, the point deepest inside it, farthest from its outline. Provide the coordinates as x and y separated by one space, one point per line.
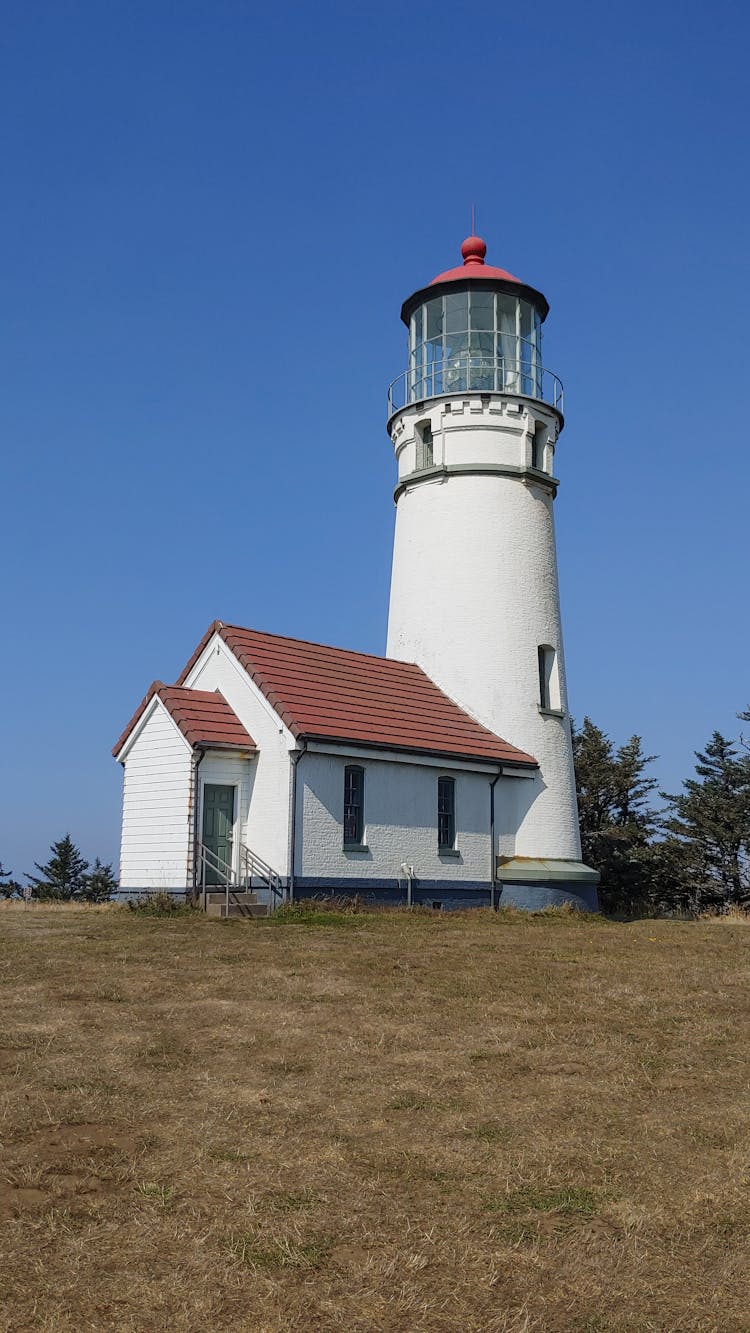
218 831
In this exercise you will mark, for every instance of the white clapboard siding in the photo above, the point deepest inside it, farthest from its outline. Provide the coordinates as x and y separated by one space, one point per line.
156 811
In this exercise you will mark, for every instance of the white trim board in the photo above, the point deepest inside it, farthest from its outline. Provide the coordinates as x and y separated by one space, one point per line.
147 714
342 748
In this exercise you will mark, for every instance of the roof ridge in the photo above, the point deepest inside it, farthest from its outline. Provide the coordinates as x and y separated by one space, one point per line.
189 689
316 643
318 689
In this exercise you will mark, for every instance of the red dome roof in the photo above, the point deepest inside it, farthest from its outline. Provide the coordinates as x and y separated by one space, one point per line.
473 251
474 268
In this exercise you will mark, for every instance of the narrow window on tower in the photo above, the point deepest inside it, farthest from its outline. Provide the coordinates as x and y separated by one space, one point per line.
425 448
354 805
538 447
549 687
446 814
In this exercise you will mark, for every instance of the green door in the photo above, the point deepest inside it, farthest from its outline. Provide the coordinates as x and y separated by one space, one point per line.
218 824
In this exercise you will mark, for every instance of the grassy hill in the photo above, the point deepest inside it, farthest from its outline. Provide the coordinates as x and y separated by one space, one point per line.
372 1122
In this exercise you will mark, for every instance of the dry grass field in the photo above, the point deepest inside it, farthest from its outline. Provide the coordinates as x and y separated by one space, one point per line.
423 1122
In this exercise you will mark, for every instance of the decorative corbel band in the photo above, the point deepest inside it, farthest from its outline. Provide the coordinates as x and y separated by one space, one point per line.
529 475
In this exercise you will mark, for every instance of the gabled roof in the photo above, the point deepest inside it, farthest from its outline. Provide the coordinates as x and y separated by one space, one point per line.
204 718
323 693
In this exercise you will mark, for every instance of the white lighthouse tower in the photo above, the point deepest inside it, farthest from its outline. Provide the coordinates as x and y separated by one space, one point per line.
474 422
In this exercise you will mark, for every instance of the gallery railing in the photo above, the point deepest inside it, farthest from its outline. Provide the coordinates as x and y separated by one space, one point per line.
467 374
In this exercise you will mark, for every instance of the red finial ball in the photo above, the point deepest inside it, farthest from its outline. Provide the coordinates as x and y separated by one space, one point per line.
473 250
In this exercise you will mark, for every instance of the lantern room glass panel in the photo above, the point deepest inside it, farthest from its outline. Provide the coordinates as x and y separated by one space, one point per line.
434 318
482 306
538 345
475 339
457 313
526 348
507 342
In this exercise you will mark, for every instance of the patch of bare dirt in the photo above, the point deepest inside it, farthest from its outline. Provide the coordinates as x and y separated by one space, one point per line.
50 1143
15 1200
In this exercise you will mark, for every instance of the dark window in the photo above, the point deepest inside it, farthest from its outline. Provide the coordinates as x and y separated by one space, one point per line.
537 451
354 804
425 448
546 663
446 813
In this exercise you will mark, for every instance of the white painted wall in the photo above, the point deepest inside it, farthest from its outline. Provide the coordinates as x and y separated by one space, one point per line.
477 429
474 591
266 815
400 821
156 808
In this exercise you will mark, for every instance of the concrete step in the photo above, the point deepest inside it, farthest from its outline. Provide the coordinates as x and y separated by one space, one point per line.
237 909
240 896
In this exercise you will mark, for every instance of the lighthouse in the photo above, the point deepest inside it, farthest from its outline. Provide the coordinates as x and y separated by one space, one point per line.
442 773
475 420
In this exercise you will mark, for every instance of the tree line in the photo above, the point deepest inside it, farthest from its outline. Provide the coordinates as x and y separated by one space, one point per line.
689 854
66 877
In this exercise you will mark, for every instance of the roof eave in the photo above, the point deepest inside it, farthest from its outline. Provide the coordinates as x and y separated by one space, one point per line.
521 289
497 761
214 628
125 735
240 746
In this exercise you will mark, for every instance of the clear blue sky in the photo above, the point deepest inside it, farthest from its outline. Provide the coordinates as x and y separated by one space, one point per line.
211 214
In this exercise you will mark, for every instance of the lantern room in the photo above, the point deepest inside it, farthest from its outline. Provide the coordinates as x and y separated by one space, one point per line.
475 327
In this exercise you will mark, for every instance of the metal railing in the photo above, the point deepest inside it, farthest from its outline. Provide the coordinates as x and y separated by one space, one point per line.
215 874
254 867
468 374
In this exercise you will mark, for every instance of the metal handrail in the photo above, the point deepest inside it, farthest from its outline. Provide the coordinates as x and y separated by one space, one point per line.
254 865
465 373
208 861
251 865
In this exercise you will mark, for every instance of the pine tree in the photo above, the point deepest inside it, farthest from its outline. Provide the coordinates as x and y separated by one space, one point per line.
634 791
709 826
616 816
99 884
8 886
64 875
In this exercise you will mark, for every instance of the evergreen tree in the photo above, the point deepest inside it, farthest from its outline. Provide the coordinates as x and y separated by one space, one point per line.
616 816
99 883
64 875
9 888
708 828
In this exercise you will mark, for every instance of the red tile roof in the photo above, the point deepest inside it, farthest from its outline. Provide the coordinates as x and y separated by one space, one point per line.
335 694
204 718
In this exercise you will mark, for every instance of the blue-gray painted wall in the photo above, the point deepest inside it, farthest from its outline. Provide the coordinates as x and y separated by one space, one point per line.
453 896
450 896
